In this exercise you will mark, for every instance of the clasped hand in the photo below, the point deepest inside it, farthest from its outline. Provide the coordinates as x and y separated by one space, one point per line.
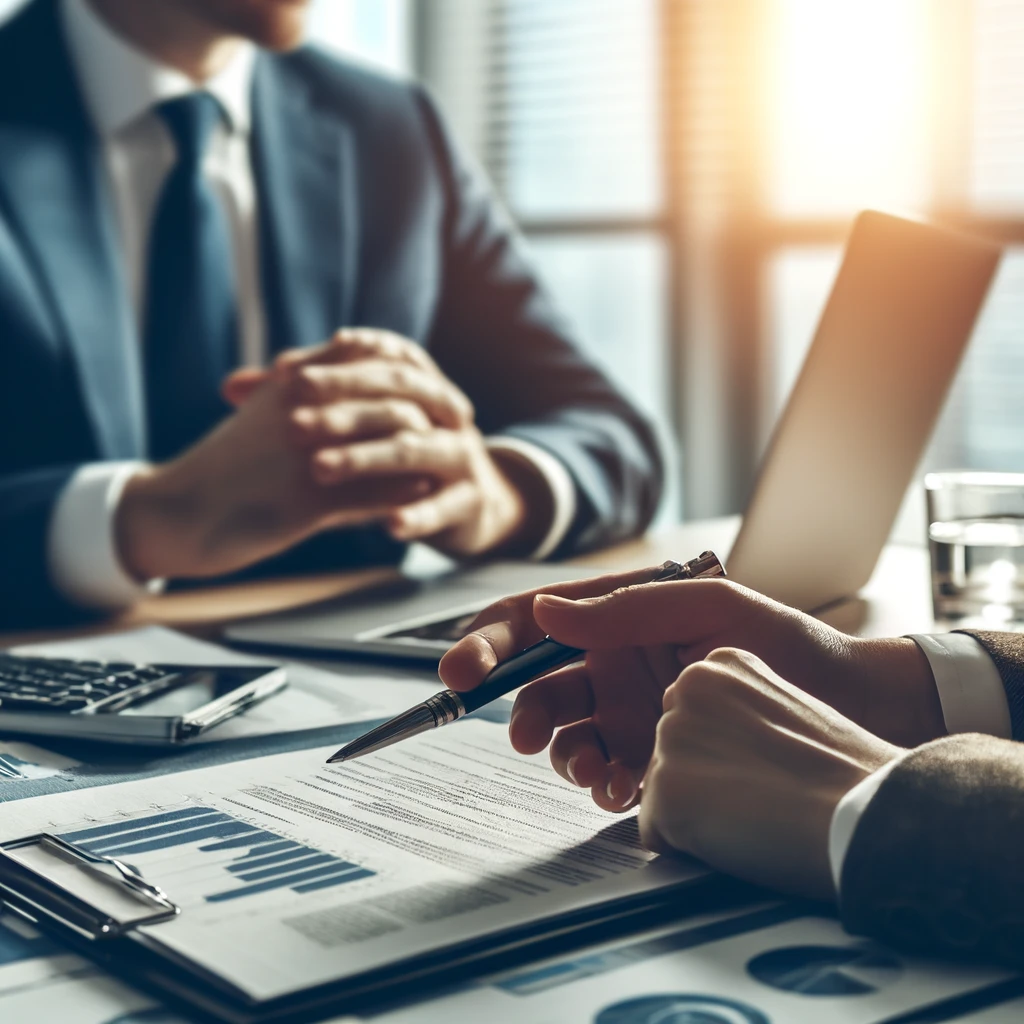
736 722
363 428
370 405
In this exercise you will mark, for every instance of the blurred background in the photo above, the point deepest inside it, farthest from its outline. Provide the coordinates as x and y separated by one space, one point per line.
686 172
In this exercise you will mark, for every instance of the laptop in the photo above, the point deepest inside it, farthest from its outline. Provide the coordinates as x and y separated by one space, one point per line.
855 426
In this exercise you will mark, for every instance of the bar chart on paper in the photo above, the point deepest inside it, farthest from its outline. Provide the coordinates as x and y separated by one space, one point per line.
21 761
200 853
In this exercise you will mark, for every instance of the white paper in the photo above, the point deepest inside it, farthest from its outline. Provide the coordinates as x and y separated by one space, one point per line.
27 761
314 697
39 984
446 837
1006 1013
803 971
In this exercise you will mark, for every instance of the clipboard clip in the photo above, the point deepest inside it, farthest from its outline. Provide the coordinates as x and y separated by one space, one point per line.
122 900
130 877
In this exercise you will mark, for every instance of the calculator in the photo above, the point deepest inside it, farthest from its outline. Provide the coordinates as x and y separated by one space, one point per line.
121 702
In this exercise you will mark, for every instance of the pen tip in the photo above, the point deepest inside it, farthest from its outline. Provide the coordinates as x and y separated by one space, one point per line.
335 758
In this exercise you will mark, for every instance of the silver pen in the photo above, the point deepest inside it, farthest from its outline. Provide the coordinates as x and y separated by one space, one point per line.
544 656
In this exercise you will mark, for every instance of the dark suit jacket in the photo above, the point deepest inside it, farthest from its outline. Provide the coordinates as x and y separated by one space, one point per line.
937 861
368 216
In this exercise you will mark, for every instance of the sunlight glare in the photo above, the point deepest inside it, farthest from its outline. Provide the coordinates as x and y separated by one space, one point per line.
847 124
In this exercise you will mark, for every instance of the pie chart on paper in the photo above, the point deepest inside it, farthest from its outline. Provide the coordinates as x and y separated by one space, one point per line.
827 970
680 1009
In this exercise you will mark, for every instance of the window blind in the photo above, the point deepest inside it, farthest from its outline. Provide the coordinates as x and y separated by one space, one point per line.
574 107
997 137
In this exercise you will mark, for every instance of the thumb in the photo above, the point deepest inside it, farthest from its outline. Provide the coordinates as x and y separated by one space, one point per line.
679 612
239 386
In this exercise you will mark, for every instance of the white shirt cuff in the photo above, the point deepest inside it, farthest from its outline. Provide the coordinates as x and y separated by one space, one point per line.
847 815
973 699
970 688
81 547
559 483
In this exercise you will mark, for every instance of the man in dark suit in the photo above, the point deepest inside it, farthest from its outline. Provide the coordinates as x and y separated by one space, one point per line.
780 750
184 195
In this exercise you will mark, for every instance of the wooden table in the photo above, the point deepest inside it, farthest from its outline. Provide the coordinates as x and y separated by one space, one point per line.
896 601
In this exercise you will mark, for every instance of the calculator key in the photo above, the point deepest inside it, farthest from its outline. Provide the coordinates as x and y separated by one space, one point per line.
72 703
115 684
130 679
28 688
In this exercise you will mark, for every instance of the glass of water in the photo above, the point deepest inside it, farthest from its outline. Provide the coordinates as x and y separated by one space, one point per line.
976 540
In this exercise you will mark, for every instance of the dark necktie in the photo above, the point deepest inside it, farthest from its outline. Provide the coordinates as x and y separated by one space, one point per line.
191 331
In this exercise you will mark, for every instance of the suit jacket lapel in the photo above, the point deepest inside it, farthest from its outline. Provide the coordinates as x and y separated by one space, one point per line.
52 180
306 172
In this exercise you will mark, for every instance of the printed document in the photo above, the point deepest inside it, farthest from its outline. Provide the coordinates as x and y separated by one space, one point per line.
758 966
290 872
41 982
766 962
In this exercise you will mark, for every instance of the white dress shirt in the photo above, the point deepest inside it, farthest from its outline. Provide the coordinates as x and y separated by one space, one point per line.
973 699
121 86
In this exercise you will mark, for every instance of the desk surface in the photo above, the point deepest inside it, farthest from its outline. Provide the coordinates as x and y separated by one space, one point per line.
896 600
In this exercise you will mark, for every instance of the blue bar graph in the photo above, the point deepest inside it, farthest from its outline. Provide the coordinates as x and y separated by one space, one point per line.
14 768
265 860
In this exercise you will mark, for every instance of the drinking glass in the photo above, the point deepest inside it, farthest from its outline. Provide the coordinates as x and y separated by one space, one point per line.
976 541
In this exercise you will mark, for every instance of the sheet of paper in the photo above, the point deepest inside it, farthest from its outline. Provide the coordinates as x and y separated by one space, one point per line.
20 761
1006 1013
761 966
315 696
39 982
290 872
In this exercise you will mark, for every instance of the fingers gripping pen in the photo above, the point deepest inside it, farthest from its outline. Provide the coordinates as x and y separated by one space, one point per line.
544 656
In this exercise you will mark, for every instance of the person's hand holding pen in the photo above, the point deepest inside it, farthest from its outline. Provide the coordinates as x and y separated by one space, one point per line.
600 717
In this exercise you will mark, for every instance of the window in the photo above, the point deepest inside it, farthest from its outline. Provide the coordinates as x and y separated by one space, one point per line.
562 102
375 31
845 106
996 84
895 147
574 114
687 171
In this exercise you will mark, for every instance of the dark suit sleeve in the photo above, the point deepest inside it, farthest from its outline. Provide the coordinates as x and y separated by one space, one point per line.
26 503
935 864
497 335
1007 652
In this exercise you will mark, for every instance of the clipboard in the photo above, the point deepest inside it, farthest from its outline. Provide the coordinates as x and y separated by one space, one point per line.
98 905
28 892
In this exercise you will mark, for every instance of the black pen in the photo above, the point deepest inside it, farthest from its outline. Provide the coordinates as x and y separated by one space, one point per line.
544 656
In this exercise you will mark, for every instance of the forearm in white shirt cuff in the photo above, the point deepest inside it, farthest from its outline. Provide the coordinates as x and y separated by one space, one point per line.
81 547
970 688
559 484
847 815
972 698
